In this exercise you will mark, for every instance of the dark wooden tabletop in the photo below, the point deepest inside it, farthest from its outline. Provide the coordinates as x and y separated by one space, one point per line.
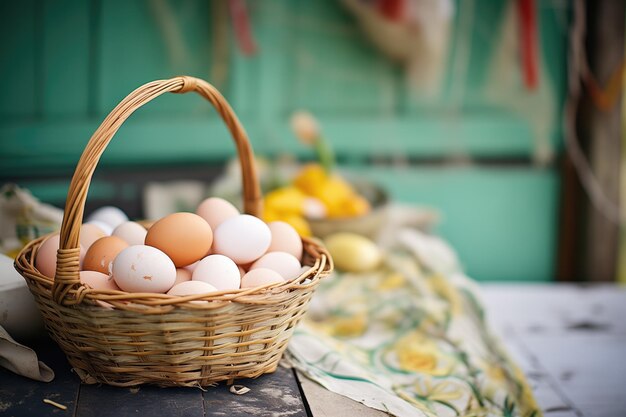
277 394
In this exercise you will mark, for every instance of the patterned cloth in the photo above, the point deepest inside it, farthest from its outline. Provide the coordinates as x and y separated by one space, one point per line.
410 339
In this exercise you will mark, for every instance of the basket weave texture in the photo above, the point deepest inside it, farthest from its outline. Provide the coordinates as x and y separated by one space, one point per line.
127 339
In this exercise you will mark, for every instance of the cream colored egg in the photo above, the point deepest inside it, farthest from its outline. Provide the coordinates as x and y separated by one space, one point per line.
242 238
285 239
98 281
215 210
46 260
131 232
219 271
142 268
191 288
260 277
109 215
102 226
282 262
182 275
352 252
89 233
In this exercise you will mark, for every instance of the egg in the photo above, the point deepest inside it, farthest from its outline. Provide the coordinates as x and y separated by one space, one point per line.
89 233
352 252
131 232
102 226
192 266
184 237
219 271
46 260
314 208
285 239
260 277
182 275
141 268
191 288
215 210
98 280
242 271
102 253
109 215
282 262
243 238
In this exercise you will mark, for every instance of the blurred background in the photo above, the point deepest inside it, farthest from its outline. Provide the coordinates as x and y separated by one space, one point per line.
487 112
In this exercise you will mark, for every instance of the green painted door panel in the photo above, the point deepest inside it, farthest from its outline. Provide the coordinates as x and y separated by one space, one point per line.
65 63
18 31
139 43
502 221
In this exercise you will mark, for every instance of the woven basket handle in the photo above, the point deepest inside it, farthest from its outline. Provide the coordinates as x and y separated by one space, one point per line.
67 272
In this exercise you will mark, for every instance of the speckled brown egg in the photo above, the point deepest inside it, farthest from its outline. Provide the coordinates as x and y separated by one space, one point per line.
102 252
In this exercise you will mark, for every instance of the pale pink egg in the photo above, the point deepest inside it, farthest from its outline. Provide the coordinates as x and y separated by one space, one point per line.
46 260
282 262
182 275
89 233
191 288
260 277
131 232
219 271
98 280
215 210
285 239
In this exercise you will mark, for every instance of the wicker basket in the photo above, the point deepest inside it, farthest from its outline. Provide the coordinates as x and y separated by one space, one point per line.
126 339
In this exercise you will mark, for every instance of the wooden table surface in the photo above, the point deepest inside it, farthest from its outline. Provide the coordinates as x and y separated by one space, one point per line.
569 340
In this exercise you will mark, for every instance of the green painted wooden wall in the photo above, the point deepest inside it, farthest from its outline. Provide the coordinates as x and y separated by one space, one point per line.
66 63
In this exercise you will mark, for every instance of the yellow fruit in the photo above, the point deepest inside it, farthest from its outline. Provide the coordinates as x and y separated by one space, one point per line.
310 179
352 252
285 200
356 206
298 223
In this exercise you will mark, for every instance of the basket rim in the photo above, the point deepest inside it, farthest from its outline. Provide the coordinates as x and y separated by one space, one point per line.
122 300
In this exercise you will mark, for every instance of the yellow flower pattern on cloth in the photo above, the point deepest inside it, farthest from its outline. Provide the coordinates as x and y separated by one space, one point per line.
411 341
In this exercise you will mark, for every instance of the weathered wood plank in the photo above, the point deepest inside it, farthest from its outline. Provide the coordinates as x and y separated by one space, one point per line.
276 395
325 403
105 401
573 336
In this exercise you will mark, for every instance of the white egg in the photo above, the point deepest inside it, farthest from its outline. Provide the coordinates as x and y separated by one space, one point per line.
282 262
242 238
219 271
109 215
191 288
131 232
141 268
105 227
259 277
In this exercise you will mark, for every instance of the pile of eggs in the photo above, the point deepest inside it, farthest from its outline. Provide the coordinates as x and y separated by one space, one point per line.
214 249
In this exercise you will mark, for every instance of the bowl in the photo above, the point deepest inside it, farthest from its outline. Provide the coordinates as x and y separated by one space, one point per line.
369 225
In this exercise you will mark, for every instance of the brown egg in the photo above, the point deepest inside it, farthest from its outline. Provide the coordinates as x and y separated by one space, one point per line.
184 237
102 252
